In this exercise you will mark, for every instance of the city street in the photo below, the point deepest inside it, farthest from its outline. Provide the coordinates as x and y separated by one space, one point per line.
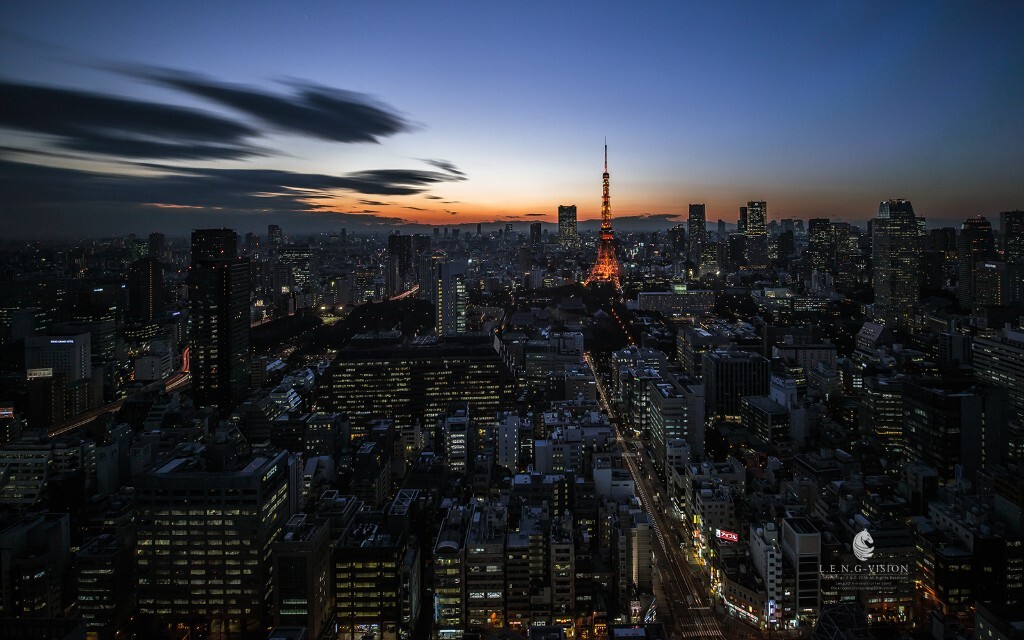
687 612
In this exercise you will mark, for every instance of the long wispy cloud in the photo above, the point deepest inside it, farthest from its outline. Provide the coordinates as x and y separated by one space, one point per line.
146 148
97 124
311 109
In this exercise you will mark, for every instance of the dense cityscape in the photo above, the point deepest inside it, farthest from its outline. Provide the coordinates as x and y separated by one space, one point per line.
511 321
717 430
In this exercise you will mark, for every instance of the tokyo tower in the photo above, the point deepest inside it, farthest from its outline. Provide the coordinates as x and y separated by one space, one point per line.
607 267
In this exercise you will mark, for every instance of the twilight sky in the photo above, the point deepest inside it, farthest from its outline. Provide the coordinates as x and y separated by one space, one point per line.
128 116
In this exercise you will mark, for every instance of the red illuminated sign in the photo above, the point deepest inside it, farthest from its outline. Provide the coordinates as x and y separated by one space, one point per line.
727 536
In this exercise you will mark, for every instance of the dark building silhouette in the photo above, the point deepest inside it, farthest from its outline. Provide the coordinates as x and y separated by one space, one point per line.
145 289
568 234
697 228
976 243
896 247
218 287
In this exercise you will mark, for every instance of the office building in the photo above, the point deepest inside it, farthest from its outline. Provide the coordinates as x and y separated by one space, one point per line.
218 287
677 412
34 556
301 262
976 244
368 564
568 235
303 593
400 263
485 566
157 245
801 549
106 585
145 289
697 230
766 419
207 519
415 382
449 588
998 359
449 295
954 427
728 376
896 255
756 232
274 236
536 229
1011 234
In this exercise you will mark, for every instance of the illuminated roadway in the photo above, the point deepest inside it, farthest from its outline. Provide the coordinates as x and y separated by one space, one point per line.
179 380
689 619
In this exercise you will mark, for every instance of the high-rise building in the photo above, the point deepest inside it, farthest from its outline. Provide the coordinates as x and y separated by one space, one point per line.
952 424
301 260
157 245
368 570
756 231
218 287
819 245
998 359
274 236
896 255
976 242
66 355
697 229
741 223
1011 234
485 566
415 382
399 263
568 235
145 289
303 594
449 295
207 520
449 587
728 376
536 229
676 413
801 549
106 585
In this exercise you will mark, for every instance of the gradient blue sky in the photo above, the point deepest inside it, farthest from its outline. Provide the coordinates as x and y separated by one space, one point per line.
819 108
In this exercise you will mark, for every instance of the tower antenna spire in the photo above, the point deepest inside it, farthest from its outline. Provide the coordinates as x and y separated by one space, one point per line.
607 267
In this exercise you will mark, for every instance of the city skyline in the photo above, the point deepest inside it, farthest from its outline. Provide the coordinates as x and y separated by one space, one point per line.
164 118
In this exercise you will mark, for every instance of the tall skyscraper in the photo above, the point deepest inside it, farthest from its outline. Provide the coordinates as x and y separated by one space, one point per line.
819 243
896 253
399 263
568 236
274 236
535 233
218 288
606 267
301 260
741 224
145 289
697 229
976 243
1011 233
756 231
448 292
157 245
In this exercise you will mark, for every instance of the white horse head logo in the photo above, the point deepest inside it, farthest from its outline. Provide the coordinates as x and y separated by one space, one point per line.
863 546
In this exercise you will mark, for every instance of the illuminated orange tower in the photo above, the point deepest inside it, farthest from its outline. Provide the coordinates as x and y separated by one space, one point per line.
607 267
